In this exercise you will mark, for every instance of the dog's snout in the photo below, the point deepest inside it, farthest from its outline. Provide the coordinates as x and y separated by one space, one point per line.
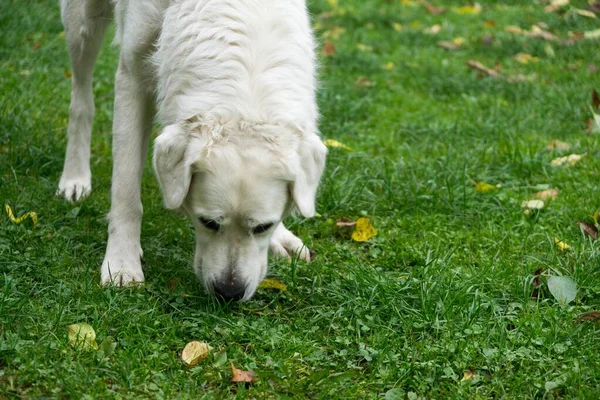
230 290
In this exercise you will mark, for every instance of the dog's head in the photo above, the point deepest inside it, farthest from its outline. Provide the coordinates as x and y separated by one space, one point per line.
236 182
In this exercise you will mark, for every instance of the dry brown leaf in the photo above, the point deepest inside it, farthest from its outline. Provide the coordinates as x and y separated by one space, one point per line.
238 375
589 229
593 316
548 194
363 82
555 5
595 100
433 9
328 49
476 65
345 222
584 13
558 145
449 45
37 45
489 23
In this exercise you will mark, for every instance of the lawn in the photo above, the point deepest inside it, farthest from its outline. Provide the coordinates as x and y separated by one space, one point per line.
442 303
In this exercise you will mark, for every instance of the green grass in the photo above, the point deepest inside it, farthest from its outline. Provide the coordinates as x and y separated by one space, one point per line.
444 287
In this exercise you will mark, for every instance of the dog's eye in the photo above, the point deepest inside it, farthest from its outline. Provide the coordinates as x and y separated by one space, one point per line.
210 224
262 228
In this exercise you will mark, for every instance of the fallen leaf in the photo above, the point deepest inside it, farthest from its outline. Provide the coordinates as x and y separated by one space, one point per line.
597 216
433 9
548 194
334 33
472 9
589 229
238 375
363 230
37 45
558 145
397 26
363 82
555 5
468 375
328 49
533 204
562 245
82 336
595 34
449 45
483 187
194 352
389 66
433 30
332 143
345 222
30 214
593 316
562 288
584 13
535 32
567 161
525 58
68 73
273 284
489 23
364 48
536 282
482 68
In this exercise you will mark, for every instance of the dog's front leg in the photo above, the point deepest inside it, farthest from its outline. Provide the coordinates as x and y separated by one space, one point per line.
285 244
131 132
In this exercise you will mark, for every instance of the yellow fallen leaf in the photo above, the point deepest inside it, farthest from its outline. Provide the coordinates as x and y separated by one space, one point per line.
389 66
459 41
525 58
30 214
595 34
584 13
483 187
364 48
433 30
194 352
551 194
334 144
363 230
397 26
558 145
469 375
238 375
470 9
567 161
272 284
82 336
562 245
533 204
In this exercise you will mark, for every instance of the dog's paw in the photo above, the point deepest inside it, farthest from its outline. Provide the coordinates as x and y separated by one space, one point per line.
119 272
75 188
285 244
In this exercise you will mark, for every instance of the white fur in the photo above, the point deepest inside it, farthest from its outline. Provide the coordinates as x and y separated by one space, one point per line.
233 83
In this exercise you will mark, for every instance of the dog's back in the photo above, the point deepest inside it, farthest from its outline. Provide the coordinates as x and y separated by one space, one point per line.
236 59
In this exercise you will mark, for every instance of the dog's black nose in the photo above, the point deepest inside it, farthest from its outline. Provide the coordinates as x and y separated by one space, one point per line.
229 291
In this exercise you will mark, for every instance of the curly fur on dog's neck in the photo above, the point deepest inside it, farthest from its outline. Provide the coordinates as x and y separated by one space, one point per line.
255 63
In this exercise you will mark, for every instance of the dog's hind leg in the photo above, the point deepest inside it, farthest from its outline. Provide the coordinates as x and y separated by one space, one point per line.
85 22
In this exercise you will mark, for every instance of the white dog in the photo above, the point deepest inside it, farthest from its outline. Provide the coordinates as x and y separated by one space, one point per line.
233 85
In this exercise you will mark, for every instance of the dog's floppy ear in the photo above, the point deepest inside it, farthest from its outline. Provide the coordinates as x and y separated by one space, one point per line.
312 153
172 166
